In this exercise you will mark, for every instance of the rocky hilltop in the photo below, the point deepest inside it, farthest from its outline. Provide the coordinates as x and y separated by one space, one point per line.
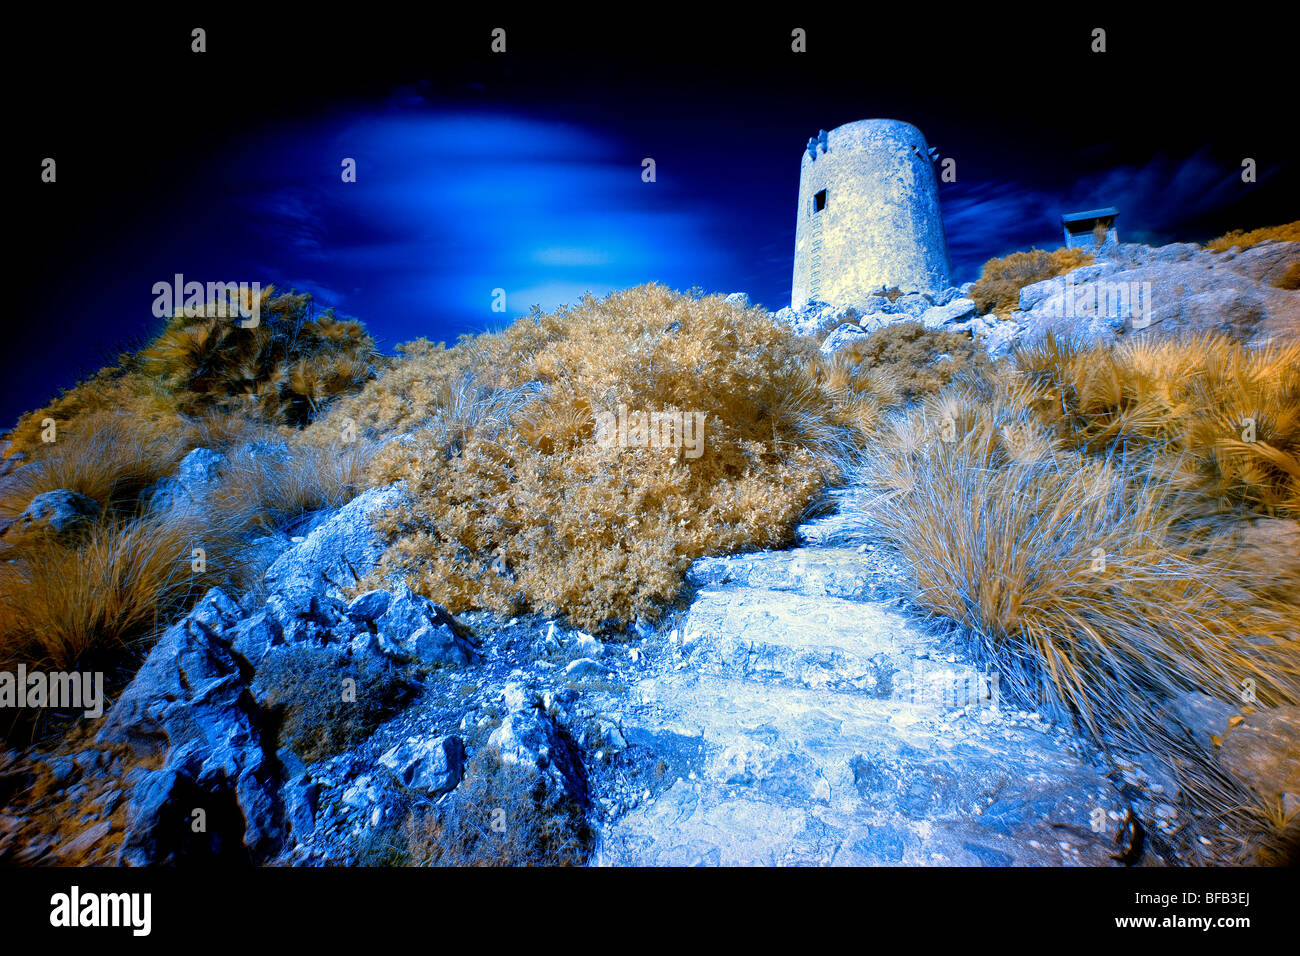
1173 289
797 710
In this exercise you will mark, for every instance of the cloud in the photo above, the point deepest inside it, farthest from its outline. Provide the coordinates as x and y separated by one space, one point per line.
448 207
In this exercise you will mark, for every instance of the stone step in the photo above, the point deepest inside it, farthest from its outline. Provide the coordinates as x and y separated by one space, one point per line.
779 775
836 530
814 571
694 823
791 638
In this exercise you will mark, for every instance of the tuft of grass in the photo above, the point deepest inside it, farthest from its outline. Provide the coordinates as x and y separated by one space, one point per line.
1288 232
273 491
110 457
1000 281
62 606
1222 421
1291 278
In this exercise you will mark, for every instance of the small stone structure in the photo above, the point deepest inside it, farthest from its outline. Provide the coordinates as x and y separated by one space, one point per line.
868 215
1082 228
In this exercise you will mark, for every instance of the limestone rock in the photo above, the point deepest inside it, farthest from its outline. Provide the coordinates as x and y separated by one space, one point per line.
938 316
530 737
432 766
841 337
1263 751
61 513
336 554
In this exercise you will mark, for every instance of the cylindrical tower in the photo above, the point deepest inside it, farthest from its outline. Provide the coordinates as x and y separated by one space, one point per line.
868 215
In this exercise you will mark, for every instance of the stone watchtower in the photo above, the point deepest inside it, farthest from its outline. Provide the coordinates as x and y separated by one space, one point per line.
868 215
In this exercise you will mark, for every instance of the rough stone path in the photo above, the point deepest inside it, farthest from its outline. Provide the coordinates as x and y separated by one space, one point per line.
807 718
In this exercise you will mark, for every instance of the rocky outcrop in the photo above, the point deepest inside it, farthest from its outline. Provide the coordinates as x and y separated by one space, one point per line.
1169 290
60 513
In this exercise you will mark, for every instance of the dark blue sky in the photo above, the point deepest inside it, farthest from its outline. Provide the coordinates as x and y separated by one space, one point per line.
523 171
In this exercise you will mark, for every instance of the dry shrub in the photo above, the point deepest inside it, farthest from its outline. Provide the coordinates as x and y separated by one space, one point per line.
901 363
1289 232
1000 281
515 503
208 376
284 370
502 814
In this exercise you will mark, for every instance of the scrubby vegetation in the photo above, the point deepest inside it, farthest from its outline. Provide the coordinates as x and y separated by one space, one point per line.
901 363
1000 281
1289 232
119 436
321 714
516 504
501 814
1081 515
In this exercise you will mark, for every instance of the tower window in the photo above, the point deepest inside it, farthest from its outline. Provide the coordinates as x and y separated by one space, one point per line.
819 201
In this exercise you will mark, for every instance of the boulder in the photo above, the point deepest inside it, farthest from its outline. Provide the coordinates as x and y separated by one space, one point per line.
430 765
198 471
1201 716
337 553
190 700
1263 751
60 513
842 337
424 630
938 316
369 606
531 738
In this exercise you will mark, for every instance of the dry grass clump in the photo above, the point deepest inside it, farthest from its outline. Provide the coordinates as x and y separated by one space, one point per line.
1000 281
1090 517
502 814
71 605
1187 405
271 490
1289 232
514 501
106 455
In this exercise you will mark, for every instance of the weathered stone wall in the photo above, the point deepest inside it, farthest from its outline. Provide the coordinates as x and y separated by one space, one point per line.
881 224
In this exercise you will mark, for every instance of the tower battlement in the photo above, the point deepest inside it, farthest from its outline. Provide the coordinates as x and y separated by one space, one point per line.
868 215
